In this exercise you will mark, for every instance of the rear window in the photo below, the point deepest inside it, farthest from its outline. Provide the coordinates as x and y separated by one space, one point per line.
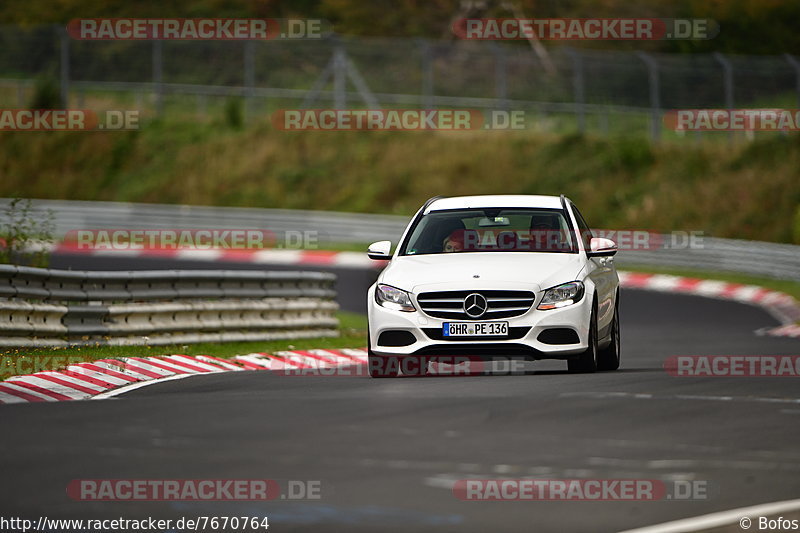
491 230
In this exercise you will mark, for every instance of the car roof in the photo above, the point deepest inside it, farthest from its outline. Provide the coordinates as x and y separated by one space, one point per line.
495 200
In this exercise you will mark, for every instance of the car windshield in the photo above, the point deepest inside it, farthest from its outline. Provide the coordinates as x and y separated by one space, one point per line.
491 230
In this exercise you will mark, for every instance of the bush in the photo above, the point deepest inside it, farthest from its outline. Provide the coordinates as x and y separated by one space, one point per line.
46 95
25 235
234 116
797 225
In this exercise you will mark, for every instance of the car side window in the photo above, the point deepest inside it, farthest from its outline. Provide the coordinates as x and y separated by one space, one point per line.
583 227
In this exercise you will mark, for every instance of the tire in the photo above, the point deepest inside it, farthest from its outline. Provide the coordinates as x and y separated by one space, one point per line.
608 357
379 366
586 363
415 366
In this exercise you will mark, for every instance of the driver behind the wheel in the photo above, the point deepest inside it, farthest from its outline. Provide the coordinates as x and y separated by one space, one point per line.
454 242
546 232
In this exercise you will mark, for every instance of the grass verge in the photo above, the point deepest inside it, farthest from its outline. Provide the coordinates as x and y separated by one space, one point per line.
352 334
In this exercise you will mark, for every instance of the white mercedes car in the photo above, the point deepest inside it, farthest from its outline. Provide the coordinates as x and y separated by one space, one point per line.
493 277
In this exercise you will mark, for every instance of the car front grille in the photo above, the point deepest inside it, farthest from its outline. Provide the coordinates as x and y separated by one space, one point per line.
501 304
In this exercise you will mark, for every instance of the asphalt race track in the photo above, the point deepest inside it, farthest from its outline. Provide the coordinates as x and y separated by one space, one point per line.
387 451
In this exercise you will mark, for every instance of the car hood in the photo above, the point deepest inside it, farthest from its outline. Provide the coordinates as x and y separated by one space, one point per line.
473 270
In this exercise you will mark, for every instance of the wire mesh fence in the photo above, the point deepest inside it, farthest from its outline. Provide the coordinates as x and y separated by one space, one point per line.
594 90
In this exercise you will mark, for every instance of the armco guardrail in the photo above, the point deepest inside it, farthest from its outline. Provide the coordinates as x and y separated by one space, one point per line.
41 307
764 259
780 261
328 226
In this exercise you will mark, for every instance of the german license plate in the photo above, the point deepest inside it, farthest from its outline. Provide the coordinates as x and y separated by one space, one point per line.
475 329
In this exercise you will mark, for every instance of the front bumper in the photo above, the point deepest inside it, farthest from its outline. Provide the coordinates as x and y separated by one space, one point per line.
523 340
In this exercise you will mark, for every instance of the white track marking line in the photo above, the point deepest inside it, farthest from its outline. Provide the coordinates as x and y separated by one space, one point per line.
723 518
697 397
139 385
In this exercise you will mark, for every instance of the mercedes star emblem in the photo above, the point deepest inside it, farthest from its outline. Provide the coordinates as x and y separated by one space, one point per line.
475 305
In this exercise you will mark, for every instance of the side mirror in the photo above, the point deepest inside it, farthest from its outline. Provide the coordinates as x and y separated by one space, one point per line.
599 247
381 250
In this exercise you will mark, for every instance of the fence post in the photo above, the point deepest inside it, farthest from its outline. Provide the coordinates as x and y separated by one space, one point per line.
64 48
427 74
200 100
339 75
796 65
727 77
578 89
603 119
249 78
500 75
655 95
158 75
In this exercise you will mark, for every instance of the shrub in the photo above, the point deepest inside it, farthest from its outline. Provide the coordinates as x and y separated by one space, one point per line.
25 235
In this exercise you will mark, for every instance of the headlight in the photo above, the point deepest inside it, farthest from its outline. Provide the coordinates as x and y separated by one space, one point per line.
392 298
562 295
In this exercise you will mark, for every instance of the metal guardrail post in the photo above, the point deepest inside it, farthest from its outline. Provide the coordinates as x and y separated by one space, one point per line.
339 75
426 53
796 66
655 95
158 75
727 80
578 88
500 75
64 65
249 79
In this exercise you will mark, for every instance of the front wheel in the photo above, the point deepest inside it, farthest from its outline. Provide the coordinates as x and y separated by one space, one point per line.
586 363
608 357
